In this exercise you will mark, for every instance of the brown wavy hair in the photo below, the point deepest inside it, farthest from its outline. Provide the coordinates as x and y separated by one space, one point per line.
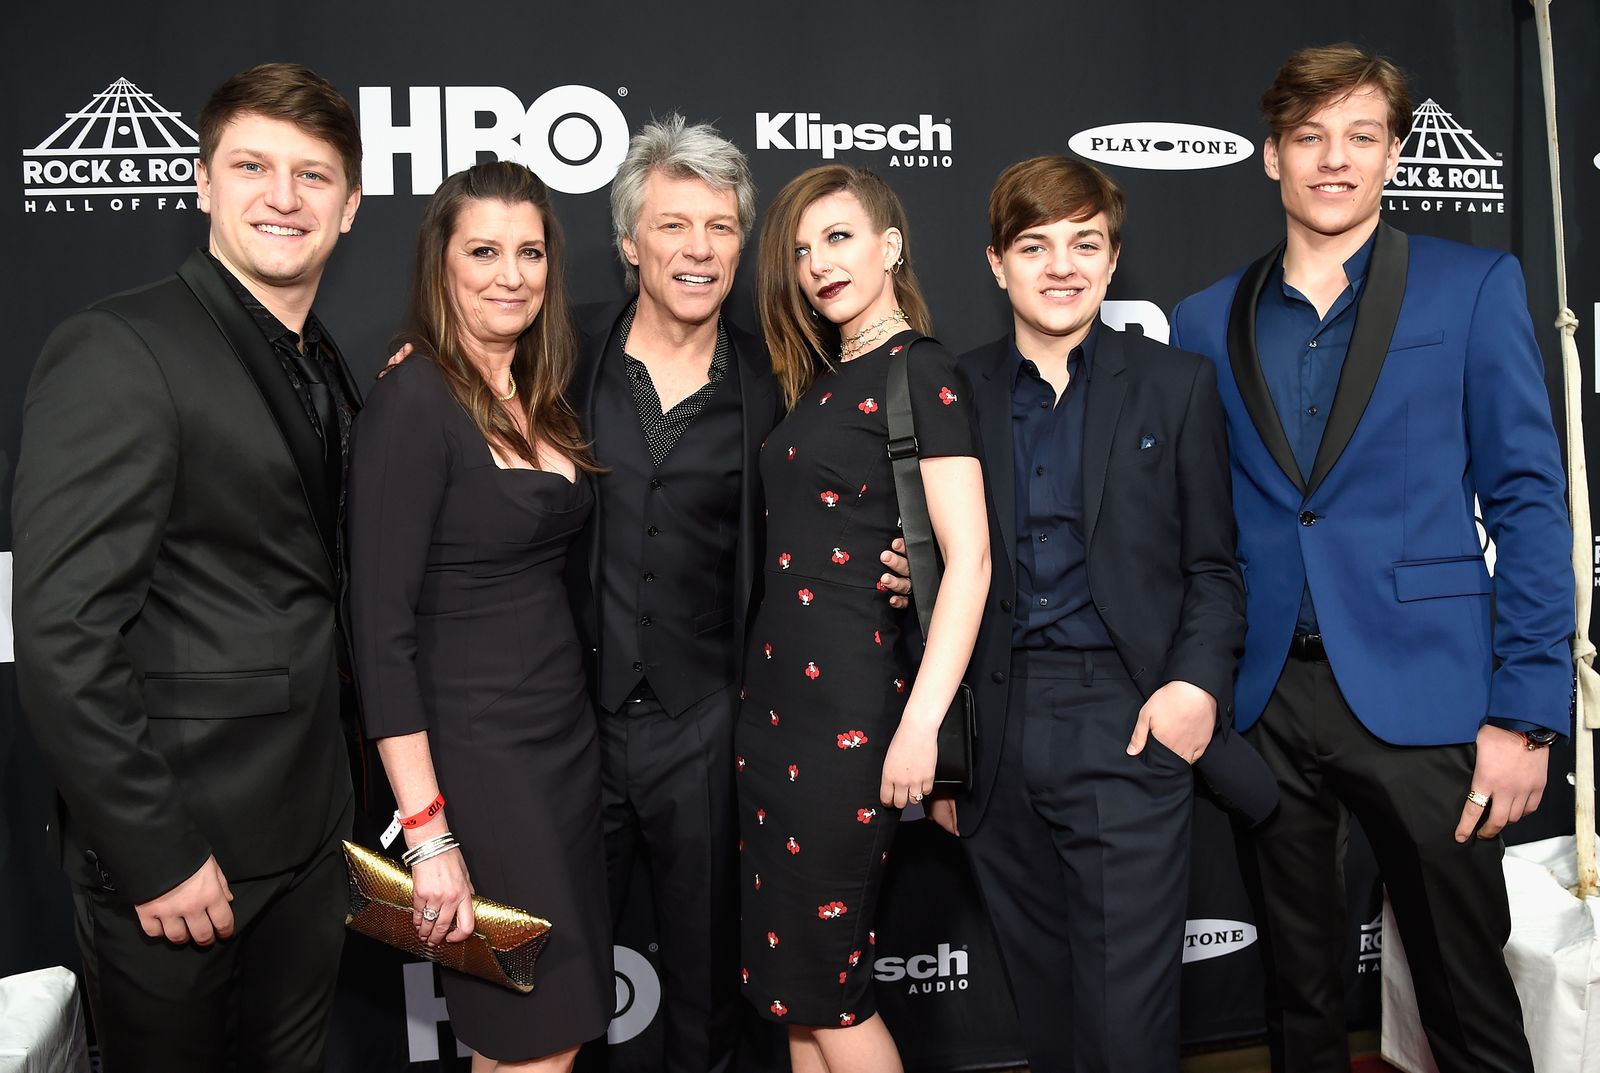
543 360
798 339
292 94
1315 77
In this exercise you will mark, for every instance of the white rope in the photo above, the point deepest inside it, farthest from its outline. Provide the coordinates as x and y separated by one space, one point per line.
1587 712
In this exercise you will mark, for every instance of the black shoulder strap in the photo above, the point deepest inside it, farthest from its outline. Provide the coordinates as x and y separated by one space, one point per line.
926 570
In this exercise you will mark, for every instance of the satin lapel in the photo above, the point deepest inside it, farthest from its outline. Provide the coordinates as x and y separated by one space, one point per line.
1246 364
1108 385
758 403
1376 314
994 425
263 367
599 341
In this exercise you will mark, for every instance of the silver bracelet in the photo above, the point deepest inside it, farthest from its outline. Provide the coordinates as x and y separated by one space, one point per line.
433 847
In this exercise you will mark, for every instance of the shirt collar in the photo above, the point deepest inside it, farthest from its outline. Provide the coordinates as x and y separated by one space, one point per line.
275 331
720 356
1355 266
1084 352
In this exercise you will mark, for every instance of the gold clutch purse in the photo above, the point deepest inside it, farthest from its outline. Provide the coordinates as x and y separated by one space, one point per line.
502 950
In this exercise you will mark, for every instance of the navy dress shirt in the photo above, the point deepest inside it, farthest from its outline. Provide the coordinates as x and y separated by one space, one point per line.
1054 607
1302 356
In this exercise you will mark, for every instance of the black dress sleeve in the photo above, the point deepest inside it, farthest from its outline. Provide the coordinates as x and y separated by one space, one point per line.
941 403
400 462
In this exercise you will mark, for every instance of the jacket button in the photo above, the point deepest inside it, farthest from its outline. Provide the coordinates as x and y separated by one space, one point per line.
652 531
644 620
1005 605
655 482
638 665
999 677
1308 518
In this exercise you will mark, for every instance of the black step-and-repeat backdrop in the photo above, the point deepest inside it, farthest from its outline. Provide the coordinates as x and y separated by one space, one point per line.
98 103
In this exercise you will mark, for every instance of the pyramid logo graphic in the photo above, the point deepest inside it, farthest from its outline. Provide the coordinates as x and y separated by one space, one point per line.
1442 166
124 144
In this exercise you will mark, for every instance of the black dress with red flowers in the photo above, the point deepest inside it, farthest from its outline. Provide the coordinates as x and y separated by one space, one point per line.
826 678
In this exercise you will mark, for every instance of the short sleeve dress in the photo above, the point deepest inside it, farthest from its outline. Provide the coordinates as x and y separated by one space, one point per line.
826 678
463 629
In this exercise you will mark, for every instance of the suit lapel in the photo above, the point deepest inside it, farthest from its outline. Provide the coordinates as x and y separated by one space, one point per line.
1107 387
1376 314
1246 364
264 369
994 426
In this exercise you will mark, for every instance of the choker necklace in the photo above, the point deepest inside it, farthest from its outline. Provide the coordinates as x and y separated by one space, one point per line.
511 391
858 343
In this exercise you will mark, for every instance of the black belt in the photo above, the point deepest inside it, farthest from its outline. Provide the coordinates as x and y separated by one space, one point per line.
1307 647
1078 664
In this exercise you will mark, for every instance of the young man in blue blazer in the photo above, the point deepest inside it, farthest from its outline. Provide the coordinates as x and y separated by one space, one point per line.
1375 384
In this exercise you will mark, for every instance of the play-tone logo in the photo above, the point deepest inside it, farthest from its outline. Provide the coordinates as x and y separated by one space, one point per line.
1444 168
1161 146
573 137
1208 937
121 151
923 144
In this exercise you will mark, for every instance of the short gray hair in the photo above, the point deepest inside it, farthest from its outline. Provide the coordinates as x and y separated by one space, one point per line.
681 151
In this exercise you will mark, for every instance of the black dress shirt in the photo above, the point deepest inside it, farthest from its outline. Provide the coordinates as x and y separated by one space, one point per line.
1302 356
662 429
1054 606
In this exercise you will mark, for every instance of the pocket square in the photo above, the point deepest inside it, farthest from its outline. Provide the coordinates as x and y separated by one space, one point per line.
1147 441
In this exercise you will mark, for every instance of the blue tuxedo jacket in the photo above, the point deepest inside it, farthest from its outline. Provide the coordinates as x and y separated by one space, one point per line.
1441 398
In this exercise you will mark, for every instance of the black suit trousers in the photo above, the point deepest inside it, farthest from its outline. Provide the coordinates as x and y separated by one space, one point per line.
1449 899
1083 861
258 1001
666 793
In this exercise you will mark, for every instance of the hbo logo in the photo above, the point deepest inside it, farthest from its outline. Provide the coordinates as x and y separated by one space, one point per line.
573 137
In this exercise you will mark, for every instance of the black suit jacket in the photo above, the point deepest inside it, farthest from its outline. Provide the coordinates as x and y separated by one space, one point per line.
1158 528
762 405
175 532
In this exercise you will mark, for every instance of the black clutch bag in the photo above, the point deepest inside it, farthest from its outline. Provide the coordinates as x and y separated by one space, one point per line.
953 769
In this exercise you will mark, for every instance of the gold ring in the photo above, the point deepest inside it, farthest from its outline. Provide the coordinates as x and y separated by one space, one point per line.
1479 799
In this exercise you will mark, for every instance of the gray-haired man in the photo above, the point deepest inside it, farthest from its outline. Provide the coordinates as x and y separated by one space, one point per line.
677 401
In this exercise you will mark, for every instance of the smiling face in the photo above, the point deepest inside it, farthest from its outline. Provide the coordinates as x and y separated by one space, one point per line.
278 199
1056 276
1331 168
686 248
842 262
495 269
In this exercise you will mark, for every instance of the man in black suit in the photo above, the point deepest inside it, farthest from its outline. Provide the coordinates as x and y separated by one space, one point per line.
1108 645
177 577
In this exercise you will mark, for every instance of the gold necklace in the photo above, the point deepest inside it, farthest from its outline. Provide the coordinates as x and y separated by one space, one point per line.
858 343
511 392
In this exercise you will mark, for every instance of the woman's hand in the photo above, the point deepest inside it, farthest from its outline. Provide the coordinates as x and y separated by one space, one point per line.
441 883
908 768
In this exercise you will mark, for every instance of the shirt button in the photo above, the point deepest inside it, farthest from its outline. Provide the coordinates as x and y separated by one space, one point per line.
1038 471
1044 538
1044 601
1044 406
654 483
1312 344
1311 411
652 530
1308 518
649 576
638 666
644 620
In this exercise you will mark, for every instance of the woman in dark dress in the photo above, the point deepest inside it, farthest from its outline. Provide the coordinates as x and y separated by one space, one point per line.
466 486
837 733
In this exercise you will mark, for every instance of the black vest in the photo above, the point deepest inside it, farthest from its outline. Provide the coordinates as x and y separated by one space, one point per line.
667 546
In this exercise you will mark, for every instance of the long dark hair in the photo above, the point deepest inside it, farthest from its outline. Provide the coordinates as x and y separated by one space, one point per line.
543 359
798 340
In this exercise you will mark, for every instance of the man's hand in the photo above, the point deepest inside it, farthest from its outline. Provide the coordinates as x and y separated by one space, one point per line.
897 582
942 811
1511 775
395 359
196 910
1181 716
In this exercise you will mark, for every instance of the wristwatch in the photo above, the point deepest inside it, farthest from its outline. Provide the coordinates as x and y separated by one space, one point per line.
1538 739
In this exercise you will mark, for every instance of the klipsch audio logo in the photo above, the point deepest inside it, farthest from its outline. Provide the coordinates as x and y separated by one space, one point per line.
1161 146
121 151
1443 167
923 144
928 974
573 137
1207 938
